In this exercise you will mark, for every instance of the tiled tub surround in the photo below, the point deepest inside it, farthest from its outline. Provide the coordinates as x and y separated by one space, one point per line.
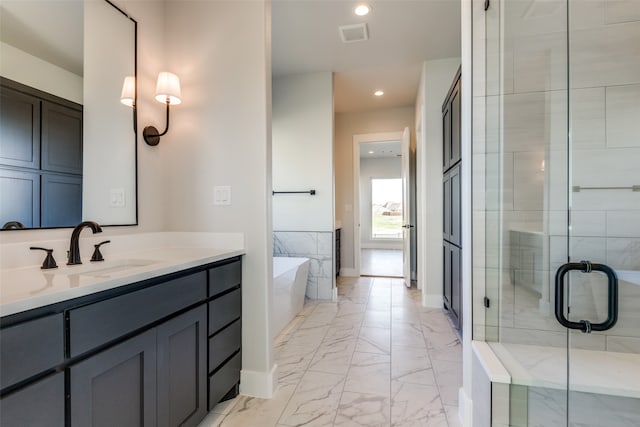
318 247
374 358
23 285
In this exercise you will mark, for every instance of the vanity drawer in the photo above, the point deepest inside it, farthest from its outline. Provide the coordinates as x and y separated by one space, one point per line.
224 277
224 380
29 348
40 404
224 310
224 344
104 321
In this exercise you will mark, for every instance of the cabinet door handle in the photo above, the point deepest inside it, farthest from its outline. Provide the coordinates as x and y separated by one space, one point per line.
612 306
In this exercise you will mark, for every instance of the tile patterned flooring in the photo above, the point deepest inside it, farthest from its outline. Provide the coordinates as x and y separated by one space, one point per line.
374 358
381 262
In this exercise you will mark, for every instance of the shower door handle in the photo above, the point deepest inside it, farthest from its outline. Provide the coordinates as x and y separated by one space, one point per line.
612 306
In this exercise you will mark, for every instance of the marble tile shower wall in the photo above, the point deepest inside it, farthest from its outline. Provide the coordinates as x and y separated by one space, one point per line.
318 247
529 168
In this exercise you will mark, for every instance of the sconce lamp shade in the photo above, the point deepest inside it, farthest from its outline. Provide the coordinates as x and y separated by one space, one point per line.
168 89
128 95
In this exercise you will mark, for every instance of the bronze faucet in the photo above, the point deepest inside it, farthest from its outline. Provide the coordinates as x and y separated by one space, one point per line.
74 247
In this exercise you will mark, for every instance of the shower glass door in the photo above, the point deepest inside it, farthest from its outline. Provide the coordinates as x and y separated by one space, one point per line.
557 194
603 165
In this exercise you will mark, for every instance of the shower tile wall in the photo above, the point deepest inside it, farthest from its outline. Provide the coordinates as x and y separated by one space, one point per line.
318 247
605 118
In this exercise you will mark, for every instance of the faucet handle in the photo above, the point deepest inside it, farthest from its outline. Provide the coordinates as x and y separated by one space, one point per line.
97 255
49 261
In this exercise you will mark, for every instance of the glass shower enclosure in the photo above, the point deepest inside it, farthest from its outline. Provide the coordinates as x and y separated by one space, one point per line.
556 206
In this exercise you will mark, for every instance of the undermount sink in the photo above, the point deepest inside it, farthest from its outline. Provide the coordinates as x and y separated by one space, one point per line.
630 276
103 268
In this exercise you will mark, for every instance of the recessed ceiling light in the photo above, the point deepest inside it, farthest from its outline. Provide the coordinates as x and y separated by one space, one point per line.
362 9
378 93
371 152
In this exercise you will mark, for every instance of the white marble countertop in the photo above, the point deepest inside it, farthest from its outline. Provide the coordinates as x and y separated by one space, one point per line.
128 259
600 372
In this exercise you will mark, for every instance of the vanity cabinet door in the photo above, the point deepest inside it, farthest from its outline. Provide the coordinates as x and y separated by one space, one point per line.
182 374
40 404
116 387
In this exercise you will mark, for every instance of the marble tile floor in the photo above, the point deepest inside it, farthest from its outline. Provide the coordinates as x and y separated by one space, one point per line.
376 358
381 262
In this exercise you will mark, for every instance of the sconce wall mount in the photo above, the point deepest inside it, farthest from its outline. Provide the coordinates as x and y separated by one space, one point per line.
168 92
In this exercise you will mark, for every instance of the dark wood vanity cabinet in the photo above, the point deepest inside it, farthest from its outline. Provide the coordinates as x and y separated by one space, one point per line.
156 353
27 349
452 202
39 404
225 333
153 379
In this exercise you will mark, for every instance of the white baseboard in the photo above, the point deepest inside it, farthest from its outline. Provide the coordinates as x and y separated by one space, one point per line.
349 272
335 294
432 300
259 384
465 408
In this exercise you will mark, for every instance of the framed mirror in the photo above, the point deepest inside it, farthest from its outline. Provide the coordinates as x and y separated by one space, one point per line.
68 148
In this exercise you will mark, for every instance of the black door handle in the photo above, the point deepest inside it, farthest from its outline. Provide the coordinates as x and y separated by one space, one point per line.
612 306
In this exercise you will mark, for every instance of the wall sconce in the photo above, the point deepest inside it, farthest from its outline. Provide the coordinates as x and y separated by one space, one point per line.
128 97
168 92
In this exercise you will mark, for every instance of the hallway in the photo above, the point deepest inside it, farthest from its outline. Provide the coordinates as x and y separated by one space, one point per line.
381 262
375 358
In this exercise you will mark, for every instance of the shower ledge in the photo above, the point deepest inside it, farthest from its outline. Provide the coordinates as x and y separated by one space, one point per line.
599 372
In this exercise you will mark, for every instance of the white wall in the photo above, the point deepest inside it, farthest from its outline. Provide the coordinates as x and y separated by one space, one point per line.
347 125
302 151
435 82
30 70
380 168
220 135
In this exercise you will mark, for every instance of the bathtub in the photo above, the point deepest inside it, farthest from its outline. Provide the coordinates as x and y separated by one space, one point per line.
289 288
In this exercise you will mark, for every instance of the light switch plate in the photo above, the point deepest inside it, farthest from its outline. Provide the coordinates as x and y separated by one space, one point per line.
222 195
116 198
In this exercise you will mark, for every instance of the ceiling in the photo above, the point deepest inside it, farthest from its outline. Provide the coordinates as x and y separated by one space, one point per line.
49 29
402 34
380 150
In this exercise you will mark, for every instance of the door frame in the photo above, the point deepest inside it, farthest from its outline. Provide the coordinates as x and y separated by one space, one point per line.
357 140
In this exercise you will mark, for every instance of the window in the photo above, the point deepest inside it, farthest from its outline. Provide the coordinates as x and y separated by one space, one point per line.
386 208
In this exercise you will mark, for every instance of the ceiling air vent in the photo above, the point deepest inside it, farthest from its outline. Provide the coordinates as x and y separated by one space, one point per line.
354 33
